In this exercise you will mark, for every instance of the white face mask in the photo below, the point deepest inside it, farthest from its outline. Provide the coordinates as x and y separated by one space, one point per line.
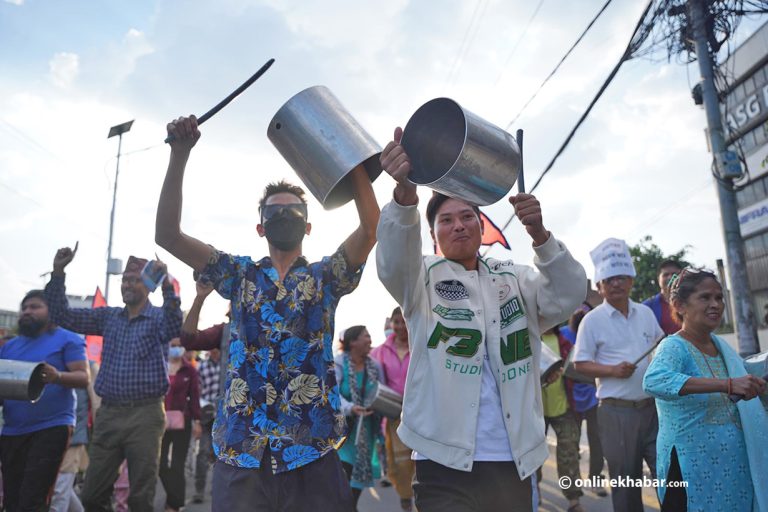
175 352
388 333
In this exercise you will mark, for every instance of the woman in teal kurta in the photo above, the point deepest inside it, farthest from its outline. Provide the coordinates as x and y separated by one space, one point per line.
357 375
705 439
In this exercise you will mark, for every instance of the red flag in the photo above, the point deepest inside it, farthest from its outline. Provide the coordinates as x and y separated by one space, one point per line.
491 234
93 344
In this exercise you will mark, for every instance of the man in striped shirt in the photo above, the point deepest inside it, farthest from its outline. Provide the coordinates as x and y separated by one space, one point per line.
132 381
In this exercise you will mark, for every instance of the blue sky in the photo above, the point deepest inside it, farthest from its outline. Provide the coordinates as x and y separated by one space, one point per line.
70 70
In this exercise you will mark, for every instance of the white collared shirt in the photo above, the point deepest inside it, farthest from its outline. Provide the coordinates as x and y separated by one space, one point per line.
607 337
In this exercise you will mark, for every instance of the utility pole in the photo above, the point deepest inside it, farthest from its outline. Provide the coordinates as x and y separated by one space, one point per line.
746 329
113 266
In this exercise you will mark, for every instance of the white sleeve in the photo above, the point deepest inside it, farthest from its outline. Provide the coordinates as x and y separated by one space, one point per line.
399 262
585 348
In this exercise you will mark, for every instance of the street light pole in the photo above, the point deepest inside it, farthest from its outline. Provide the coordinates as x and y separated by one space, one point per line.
734 246
118 130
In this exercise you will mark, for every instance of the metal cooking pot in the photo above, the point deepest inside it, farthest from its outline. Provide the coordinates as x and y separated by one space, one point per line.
757 364
572 374
549 362
323 143
460 154
387 402
21 380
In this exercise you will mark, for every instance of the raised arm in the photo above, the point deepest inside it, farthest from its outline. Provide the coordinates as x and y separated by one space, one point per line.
361 241
398 255
191 337
83 321
168 232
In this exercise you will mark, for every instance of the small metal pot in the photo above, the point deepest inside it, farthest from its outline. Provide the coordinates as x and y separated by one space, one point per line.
21 380
549 363
757 364
387 402
323 143
460 154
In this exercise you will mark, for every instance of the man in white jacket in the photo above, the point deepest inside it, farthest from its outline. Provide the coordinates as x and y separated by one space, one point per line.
472 410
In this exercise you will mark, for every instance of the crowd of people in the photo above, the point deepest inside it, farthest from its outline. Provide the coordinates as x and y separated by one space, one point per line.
287 425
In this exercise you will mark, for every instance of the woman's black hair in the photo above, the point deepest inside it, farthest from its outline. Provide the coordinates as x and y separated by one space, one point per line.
395 312
684 284
350 335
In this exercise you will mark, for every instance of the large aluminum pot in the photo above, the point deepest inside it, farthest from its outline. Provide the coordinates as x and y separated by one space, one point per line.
549 362
460 154
757 364
21 380
323 143
387 402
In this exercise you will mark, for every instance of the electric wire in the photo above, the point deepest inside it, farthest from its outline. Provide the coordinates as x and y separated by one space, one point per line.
519 40
562 60
638 37
467 40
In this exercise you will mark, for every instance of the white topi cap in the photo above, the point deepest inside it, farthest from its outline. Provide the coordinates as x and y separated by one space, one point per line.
611 258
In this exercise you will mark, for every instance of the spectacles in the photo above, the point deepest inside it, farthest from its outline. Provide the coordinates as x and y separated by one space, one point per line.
294 209
616 280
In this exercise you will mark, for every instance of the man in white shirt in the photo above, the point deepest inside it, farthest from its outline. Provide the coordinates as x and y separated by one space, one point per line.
472 409
613 344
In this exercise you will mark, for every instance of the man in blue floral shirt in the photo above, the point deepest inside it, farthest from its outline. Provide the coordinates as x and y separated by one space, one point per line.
279 421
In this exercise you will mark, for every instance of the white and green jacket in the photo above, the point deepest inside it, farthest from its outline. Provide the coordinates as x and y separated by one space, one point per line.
454 316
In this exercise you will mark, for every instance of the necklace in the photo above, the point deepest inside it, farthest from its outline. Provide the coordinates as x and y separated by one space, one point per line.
729 406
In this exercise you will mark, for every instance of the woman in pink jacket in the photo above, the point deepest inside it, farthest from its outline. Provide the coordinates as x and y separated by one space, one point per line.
394 356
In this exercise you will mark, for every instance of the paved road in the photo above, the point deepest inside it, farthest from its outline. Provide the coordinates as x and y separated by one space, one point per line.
384 499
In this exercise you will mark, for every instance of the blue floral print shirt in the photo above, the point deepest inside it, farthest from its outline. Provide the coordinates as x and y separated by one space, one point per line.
281 389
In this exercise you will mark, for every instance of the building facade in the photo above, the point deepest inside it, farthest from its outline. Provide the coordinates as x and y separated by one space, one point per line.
744 107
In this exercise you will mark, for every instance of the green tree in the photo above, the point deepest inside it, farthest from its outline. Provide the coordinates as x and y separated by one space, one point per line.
647 256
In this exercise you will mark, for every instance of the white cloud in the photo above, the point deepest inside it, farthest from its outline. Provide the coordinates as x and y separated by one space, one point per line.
15 2
639 153
63 69
124 57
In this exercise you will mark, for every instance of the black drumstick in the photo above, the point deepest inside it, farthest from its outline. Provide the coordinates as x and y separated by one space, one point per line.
520 175
223 103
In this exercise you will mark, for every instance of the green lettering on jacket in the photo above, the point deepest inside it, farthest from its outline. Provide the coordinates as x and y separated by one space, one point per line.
466 346
517 346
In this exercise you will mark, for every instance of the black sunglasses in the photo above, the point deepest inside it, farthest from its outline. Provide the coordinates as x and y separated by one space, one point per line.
294 209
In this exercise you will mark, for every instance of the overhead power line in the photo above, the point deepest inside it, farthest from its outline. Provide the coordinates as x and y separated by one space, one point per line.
466 41
519 40
552 73
640 33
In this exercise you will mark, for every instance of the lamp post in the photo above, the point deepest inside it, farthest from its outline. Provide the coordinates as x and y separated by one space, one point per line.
114 266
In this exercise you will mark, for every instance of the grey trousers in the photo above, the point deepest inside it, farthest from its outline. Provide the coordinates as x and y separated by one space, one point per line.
628 436
130 433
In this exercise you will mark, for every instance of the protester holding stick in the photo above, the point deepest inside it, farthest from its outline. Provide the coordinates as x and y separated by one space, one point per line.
276 428
472 408
695 377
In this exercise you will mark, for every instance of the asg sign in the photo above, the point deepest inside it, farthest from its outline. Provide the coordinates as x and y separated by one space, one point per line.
753 218
747 110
